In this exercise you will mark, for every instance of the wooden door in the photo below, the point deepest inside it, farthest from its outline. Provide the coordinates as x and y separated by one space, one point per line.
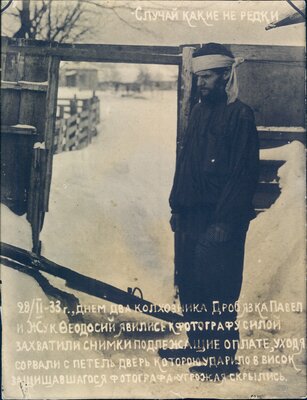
28 109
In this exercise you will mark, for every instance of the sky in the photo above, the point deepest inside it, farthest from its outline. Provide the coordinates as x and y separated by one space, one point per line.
183 22
232 22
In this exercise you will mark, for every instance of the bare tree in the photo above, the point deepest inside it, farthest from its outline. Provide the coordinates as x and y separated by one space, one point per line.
51 20
64 21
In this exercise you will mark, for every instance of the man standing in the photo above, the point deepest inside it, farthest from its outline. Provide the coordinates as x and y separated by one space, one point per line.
211 201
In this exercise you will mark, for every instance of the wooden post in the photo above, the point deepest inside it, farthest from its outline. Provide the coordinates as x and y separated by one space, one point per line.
21 66
97 111
42 168
53 77
185 81
34 210
4 45
73 106
61 114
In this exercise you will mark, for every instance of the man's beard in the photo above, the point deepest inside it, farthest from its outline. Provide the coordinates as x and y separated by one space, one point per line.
213 96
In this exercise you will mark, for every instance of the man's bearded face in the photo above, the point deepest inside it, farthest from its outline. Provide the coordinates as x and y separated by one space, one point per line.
210 84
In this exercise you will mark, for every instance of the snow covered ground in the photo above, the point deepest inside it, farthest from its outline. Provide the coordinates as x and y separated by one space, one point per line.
108 219
117 230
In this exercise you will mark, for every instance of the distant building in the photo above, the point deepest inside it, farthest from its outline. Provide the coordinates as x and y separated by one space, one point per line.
132 78
83 76
128 78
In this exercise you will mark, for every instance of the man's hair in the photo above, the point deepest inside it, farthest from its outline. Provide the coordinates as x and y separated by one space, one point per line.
213 48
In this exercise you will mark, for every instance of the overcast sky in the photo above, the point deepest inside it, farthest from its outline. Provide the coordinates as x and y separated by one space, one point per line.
244 27
151 22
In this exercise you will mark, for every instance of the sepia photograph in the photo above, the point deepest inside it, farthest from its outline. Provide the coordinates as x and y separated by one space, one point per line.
153 199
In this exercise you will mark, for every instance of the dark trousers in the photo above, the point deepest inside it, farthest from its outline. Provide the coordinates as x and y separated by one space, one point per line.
206 272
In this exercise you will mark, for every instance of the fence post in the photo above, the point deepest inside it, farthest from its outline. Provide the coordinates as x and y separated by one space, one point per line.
73 106
61 115
85 123
86 104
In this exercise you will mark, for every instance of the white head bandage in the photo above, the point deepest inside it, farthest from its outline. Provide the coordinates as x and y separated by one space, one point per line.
211 61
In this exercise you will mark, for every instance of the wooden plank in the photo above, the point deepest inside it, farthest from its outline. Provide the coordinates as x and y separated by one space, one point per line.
70 143
51 100
71 134
71 130
271 53
118 57
287 54
3 63
290 136
82 135
17 258
21 66
16 151
4 46
36 68
34 195
269 100
184 95
62 128
269 170
103 53
264 200
72 120
271 188
10 103
32 110
10 100
283 129
275 139
11 66
22 85
185 83
43 45
100 52
84 114
18 129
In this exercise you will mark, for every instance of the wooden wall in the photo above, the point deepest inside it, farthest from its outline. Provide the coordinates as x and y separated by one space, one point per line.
28 109
272 81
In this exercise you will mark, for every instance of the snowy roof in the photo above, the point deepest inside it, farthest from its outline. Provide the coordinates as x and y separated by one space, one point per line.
73 66
70 72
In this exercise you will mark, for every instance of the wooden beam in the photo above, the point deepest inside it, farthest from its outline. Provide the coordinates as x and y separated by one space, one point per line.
275 139
169 55
269 170
166 55
184 95
22 85
18 129
280 54
19 259
100 51
44 45
51 101
123 57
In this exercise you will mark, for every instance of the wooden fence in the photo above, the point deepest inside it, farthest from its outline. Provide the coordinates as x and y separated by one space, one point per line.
76 123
